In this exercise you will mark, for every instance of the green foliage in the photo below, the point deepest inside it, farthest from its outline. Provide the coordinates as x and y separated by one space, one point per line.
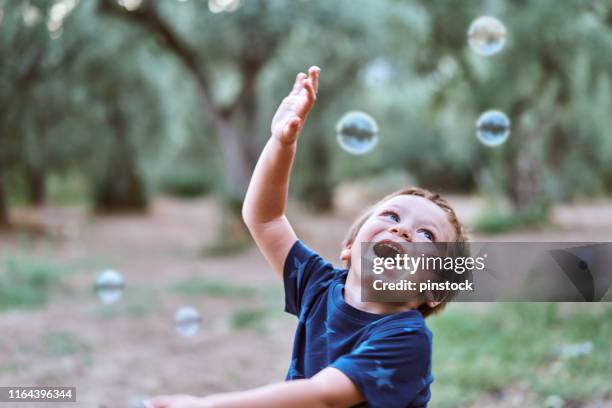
194 170
496 220
27 283
68 189
250 318
215 288
136 302
152 115
480 350
185 182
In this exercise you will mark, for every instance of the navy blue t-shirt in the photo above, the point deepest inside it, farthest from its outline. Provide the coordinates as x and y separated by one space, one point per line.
388 357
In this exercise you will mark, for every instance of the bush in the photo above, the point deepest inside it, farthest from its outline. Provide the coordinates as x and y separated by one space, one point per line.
187 182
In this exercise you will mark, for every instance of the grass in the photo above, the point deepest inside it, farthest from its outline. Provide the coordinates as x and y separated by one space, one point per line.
479 353
250 318
62 343
27 283
214 288
494 220
263 302
136 302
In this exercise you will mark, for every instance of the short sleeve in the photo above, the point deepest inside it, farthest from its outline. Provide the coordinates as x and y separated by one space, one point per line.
391 368
305 275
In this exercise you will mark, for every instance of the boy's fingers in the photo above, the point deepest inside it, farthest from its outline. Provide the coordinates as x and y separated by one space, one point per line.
297 86
313 73
308 86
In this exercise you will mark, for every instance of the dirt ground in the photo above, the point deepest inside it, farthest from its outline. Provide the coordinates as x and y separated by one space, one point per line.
115 355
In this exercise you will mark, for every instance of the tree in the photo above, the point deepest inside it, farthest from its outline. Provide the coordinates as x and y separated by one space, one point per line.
241 45
534 81
30 58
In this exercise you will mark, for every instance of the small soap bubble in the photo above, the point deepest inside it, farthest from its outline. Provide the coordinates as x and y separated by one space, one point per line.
109 286
487 35
357 132
554 401
574 350
138 401
493 128
187 321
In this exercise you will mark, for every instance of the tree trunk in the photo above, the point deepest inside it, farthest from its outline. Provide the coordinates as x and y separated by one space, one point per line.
317 188
4 210
122 188
234 166
232 234
526 191
37 191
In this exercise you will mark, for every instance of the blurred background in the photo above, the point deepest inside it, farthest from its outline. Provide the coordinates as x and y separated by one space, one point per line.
129 130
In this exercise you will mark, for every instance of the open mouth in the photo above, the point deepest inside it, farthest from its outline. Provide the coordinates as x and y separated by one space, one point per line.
388 249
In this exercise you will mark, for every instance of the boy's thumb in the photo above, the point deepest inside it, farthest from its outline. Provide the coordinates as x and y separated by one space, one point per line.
291 130
295 123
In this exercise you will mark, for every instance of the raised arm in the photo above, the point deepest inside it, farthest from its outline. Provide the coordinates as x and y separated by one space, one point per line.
264 205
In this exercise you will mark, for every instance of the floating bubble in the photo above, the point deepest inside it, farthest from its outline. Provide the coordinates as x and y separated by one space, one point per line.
554 401
487 35
109 286
357 132
493 128
187 321
138 401
574 350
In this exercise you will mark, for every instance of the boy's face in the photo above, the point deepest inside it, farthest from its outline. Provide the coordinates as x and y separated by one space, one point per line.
404 218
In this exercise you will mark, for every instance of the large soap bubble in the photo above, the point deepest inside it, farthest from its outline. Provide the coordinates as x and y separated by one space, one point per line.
357 132
109 286
493 128
487 35
187 321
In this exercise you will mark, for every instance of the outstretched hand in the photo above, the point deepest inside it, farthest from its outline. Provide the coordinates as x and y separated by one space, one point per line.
176 401
293 110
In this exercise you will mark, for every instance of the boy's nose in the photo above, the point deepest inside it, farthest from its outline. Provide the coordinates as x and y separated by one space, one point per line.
401 232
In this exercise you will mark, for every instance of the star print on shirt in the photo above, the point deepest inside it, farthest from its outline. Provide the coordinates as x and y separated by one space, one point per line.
297 267
303 314
382 375
328 330
325 284
364 347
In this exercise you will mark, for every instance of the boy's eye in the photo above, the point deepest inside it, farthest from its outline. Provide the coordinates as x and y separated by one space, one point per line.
427 234
391 215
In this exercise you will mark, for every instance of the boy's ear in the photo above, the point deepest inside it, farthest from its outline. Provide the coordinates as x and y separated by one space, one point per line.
345 254
433 304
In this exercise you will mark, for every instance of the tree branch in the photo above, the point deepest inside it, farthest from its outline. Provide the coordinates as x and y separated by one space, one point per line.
148 17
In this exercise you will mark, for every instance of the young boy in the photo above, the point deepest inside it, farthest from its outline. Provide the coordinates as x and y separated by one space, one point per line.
346 352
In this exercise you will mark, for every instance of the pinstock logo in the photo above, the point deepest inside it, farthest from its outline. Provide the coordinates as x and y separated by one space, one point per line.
487 271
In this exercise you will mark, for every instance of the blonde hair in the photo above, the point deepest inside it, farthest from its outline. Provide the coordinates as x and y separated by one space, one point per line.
461 235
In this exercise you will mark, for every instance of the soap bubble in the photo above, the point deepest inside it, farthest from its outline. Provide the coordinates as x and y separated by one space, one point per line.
109 286
357 132
574 350
138 401
487 35
554 401
187 321
493 128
